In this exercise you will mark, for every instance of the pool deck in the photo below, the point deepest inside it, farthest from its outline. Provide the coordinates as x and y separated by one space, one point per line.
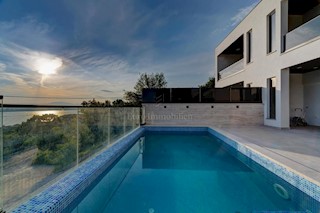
297 148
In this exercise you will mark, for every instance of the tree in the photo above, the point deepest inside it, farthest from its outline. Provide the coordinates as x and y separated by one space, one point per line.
145 80
209 84
118 103
94 103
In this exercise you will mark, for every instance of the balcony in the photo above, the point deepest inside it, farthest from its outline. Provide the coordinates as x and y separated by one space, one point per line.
302 34
230 60
232 69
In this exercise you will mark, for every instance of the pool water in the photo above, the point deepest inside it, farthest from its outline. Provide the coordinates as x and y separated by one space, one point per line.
189 172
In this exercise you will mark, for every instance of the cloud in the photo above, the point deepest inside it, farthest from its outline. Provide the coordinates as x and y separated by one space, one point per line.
127 27
29 32
83 74
2 67
21 57
90 59
242 13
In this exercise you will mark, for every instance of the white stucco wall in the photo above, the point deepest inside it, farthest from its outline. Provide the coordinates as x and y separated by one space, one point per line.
296 94
311 86
264 65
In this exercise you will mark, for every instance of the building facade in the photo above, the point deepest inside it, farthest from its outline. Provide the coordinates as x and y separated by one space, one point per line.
276 47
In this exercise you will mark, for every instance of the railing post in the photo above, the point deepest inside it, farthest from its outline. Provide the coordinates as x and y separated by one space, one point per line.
124 120
109 128
199 94
77 149
1 154
133 118
142 115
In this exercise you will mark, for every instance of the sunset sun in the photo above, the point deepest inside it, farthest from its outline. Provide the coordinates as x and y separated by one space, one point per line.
46 66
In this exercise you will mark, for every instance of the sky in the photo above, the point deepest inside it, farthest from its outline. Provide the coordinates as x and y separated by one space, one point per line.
98 48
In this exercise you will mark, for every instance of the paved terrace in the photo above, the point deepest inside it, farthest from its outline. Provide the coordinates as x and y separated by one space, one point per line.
297 148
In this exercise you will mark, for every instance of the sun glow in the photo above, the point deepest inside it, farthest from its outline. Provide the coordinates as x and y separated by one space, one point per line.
46 66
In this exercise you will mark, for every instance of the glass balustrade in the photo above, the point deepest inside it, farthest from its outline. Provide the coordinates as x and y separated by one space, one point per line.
232 69
204 95
303 33
40 145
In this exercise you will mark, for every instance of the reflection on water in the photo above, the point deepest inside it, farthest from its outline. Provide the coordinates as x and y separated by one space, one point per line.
55 112
14 116
185 152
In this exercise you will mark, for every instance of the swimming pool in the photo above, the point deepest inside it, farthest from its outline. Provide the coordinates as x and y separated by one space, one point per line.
169 171
173 169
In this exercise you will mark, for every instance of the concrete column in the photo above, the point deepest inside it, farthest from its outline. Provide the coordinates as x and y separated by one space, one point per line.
284 114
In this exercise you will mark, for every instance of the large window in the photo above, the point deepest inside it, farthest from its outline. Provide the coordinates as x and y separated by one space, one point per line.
249 46
271 25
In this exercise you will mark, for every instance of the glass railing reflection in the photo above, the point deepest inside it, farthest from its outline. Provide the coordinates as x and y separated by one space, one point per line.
304 33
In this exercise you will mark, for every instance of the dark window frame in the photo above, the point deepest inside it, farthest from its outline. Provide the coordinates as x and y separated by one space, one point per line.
249 46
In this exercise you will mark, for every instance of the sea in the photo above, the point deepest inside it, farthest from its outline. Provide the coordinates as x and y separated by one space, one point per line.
12 116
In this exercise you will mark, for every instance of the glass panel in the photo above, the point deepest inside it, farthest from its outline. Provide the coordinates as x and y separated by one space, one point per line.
235 95
234 68
93 131
1 154
221 95
156 96
39 144
100 127
133 118
215 95
116 124
246 95
207 95
303 33
185 95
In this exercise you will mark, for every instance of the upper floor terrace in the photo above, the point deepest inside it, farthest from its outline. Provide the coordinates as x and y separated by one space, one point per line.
231 61
303 22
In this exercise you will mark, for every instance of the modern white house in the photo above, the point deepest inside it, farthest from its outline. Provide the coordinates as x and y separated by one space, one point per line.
276 47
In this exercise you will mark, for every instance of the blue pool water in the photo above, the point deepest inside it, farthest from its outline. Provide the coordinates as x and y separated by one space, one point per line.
188 172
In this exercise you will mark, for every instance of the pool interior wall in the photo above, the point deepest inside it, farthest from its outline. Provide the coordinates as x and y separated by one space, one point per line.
123 166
